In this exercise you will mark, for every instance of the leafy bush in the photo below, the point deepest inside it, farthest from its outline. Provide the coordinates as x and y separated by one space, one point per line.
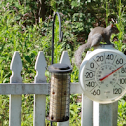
19 31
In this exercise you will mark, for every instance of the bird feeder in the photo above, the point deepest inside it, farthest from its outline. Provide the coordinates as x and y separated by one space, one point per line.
59 92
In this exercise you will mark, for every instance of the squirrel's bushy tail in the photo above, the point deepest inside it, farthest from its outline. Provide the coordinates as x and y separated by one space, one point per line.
78 54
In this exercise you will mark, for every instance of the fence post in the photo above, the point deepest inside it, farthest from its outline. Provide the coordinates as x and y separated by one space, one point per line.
64 59
87 111
15 100
39 99
105 114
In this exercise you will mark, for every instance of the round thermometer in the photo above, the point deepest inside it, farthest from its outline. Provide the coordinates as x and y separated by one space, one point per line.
103 74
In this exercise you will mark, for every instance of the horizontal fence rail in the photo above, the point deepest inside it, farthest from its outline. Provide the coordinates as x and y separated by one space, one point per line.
93 114
31 88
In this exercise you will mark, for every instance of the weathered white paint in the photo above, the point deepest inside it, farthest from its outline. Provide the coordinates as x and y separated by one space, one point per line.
87 111
33 88
65 58
16 67
15 100
40 67
105 114
114 113
15 110
40 99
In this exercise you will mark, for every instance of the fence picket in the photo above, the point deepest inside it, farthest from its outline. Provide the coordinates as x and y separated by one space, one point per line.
40 99
87 111
15 100
65 58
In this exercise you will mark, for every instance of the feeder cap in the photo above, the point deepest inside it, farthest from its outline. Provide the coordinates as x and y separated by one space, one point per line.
59 68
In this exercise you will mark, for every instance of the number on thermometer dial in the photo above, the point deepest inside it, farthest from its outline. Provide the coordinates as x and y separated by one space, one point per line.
103 76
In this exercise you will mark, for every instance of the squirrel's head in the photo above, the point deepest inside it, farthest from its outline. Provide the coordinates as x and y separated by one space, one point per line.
114 29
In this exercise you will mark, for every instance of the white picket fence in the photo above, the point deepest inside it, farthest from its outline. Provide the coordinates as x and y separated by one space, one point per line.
93 114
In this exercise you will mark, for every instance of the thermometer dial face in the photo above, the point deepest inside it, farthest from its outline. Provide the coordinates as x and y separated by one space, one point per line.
103 77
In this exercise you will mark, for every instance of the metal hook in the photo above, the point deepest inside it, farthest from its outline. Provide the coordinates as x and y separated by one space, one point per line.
60 33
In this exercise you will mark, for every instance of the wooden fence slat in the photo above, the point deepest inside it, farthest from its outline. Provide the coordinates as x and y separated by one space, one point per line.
15 110
64 59
105 114
40 99
15 100
87 111
33 88
115 113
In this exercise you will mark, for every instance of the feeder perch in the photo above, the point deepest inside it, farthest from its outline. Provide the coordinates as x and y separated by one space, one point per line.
59 92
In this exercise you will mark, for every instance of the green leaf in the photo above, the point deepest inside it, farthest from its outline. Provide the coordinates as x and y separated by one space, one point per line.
28 59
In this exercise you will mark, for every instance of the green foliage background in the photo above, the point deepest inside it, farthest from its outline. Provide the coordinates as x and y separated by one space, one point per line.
19 31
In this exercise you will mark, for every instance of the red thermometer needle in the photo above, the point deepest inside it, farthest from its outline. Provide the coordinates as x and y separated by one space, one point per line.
109 74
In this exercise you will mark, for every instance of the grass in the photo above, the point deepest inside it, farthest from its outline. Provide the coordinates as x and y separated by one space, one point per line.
14 36
28 41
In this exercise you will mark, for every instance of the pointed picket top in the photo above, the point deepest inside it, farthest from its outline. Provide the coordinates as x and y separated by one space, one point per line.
39 100
40 67
65 58
16 67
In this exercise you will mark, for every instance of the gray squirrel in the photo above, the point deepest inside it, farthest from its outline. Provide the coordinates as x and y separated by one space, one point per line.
96 35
